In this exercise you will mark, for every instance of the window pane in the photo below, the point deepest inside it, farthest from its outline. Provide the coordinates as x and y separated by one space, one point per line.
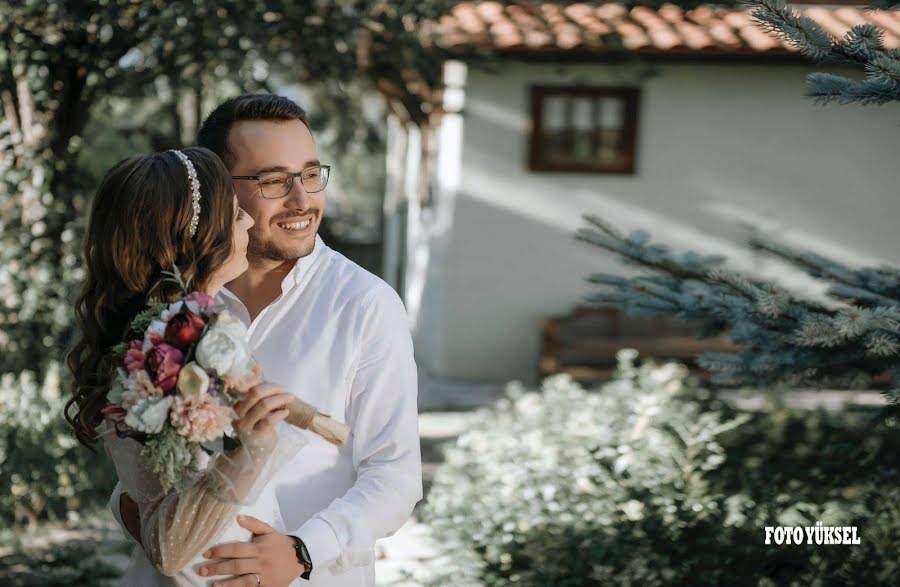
612 113
554 113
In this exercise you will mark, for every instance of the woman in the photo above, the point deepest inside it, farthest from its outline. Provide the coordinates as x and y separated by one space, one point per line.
150 214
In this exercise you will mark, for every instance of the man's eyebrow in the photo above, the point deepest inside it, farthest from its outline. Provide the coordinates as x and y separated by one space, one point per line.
311 163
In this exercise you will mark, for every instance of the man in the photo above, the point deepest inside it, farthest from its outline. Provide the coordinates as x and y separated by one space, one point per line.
333 334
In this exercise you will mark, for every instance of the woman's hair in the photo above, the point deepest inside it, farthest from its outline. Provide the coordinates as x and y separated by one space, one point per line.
139 227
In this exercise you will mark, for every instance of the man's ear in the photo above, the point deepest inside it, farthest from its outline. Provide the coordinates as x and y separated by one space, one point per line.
131 516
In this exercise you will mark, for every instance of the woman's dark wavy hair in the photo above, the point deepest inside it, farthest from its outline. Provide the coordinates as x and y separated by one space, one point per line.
139 227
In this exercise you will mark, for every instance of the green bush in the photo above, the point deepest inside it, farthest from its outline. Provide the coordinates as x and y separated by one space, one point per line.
646 481
44 473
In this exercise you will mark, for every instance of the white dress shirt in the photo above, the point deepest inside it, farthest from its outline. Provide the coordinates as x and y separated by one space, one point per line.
338 337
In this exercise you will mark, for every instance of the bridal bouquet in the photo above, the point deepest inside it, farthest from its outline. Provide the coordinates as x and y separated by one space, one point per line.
179 373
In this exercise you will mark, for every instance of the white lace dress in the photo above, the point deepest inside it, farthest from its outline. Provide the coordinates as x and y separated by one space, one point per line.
177 528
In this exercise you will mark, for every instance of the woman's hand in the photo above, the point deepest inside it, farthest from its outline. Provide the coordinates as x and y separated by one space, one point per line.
264 406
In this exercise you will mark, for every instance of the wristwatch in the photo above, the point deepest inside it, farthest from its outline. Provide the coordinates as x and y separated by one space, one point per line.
302 556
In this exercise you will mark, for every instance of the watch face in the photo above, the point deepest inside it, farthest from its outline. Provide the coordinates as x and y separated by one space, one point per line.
302 552
305 554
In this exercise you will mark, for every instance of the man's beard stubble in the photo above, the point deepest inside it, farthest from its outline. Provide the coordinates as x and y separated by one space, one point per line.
261 249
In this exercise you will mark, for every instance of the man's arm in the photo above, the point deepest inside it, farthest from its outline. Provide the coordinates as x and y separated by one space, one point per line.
383 418
125 511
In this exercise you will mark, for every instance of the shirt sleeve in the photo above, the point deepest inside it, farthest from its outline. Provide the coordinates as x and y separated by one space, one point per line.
383 417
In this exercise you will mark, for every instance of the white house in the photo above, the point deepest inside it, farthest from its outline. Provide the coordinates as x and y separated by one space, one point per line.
699 130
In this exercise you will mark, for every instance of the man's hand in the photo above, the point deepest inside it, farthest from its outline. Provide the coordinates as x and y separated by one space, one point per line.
270 555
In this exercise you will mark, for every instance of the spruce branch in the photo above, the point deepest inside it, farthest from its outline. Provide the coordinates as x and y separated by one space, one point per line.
781 339
783 21
862 46
869 286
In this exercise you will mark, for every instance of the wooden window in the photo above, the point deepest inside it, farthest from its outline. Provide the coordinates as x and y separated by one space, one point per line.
583 129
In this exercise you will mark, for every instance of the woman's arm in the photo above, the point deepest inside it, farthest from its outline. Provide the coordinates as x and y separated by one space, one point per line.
174 528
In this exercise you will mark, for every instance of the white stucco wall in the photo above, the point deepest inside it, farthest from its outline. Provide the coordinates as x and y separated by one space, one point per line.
718 145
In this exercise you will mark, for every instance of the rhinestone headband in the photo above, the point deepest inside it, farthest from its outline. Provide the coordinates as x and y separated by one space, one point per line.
195 189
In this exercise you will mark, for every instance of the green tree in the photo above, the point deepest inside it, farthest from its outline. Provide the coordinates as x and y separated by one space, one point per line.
128 73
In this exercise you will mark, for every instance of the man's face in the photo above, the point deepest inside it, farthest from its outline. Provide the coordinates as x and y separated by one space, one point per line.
261 146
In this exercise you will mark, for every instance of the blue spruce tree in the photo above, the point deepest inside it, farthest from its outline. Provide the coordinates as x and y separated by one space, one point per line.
782 339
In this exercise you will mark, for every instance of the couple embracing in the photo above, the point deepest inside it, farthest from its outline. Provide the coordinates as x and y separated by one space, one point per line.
238 216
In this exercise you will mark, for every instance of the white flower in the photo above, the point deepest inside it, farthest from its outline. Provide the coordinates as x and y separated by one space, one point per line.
193 380
114 395
171 310
156 327
138 386
150 414
224 348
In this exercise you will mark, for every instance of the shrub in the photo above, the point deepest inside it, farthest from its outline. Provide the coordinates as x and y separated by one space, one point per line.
46 474
639 482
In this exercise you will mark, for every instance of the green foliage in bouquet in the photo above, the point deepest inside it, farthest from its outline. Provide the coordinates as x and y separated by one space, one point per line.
649 481
169 455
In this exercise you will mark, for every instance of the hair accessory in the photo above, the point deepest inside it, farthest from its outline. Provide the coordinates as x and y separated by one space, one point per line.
195 189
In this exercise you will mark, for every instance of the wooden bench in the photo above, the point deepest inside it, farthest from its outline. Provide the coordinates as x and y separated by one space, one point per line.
584 343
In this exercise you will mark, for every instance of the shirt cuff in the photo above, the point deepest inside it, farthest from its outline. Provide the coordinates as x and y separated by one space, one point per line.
320 541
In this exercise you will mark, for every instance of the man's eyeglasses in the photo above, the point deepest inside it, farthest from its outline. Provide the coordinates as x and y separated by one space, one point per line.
277 184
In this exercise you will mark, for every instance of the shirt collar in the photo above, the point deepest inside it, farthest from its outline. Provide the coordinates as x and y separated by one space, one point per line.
303 264
296 274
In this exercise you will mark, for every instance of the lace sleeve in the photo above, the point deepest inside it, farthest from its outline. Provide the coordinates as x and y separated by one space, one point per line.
177 527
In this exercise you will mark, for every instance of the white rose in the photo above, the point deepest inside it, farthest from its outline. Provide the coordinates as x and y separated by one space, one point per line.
224 348
150 414
228 323
193 380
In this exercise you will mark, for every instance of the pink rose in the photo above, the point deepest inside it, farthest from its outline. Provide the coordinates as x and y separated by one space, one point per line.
184 329
201 418
164 362
204 301
134 359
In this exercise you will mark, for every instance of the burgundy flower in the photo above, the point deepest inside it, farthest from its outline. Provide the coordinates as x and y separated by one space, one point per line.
114 412
184 329
163 362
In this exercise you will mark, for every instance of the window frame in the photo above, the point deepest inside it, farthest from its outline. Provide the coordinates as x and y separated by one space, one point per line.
537 161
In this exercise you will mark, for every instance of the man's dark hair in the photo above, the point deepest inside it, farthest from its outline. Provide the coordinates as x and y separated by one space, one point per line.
214 131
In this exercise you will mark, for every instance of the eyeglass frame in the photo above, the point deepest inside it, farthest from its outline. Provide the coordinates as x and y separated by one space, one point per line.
292 175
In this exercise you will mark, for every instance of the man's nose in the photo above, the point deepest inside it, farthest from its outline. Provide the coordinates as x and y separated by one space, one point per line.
297 197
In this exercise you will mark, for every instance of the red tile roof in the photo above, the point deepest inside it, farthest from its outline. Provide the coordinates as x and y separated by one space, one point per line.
536 28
